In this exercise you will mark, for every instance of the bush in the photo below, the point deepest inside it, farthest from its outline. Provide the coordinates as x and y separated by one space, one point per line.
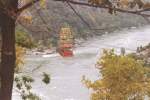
24 40
24 87
123 78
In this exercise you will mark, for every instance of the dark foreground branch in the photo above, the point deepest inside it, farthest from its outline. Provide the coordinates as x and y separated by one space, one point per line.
27 6
137 12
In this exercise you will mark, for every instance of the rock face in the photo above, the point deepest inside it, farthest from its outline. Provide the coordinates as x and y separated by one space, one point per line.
47 22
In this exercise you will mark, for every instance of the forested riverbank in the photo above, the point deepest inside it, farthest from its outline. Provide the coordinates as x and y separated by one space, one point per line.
66 74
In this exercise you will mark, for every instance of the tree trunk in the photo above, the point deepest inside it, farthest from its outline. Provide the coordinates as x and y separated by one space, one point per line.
7 56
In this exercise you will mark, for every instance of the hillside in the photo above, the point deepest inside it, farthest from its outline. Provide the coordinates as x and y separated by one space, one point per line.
47 22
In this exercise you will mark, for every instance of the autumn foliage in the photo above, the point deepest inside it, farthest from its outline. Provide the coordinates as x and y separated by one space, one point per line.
24 39
120 3
20 53
123 78
123 4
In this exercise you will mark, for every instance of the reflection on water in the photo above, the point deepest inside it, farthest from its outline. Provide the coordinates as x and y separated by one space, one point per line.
66 73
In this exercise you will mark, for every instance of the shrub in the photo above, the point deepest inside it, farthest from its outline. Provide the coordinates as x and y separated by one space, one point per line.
123 78
24 40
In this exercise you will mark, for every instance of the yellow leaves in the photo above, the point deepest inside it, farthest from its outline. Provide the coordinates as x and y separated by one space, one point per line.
121 4
124 2
133 3
20 52
130 3
106 3
100 2
86 82
25 17
43 3
123 78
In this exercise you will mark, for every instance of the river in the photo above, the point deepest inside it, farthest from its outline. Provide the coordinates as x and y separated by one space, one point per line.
66 73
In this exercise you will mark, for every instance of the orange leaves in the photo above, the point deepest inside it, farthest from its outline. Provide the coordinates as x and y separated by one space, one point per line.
130 3
125 4
146 5
100 2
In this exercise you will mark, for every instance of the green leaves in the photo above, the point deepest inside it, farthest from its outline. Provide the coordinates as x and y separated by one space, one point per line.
46 78
23 84
23 39
27 79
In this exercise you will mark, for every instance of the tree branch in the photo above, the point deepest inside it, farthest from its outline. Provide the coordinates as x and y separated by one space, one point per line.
78 15
137 12
27 6
82 19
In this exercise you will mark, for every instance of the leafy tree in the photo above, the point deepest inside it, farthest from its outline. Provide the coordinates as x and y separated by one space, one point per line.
10 11
123 78
23 39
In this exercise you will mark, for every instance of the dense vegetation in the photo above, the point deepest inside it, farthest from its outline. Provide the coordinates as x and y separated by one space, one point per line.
23 83
123 78
25 40
10 11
